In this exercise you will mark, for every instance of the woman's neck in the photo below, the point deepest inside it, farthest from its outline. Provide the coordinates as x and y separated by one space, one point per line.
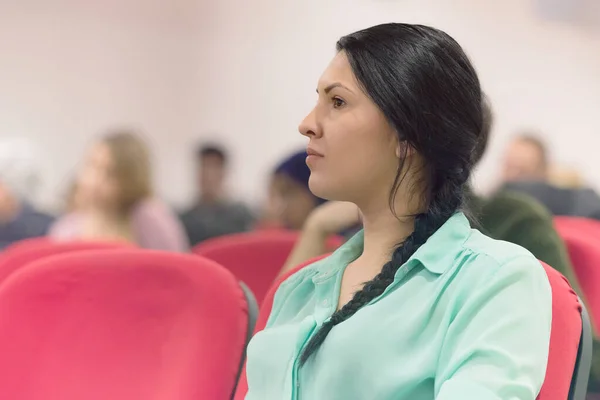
383 232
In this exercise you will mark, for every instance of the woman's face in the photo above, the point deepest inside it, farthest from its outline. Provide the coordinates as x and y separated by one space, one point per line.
98 186
358 148
290 202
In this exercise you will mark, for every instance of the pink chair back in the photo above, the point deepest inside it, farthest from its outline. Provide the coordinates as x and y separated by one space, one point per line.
582 238
121 325
17 256
569 359
255 258
27 243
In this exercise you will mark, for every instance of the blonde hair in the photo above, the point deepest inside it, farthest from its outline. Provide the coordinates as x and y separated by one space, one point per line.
131 159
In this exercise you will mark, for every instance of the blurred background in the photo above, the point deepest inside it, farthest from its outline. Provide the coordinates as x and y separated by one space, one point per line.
243 74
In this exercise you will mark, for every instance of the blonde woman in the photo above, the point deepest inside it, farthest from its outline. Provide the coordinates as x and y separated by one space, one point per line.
115 199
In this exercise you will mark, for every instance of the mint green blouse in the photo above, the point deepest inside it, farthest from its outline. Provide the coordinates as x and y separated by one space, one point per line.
466 318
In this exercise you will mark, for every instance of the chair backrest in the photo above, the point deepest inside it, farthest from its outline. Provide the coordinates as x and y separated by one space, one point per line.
16 257
577 223
263 317
582 238
256 258
569 359
121 325
28 243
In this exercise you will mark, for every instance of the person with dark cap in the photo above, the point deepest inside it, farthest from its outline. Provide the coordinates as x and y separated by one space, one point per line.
290 200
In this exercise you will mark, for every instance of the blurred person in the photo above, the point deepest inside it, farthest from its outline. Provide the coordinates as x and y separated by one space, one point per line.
19 218
417 305
290 200
525 159
526 170
575 202
113 199
213 213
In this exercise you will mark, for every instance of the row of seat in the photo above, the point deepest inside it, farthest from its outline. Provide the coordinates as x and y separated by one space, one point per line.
108 321
61 300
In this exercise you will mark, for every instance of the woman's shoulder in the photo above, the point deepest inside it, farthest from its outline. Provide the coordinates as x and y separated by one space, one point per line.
486 258
153 212
151 206
319 268
156 226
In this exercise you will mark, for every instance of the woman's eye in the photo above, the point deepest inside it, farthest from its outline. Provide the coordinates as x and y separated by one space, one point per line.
337 102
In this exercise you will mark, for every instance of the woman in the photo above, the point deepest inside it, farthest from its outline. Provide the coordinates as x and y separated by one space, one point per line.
417 306
114 199
290 200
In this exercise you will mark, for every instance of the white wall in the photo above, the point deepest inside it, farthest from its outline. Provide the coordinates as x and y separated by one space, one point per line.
246 71
70 70
267 55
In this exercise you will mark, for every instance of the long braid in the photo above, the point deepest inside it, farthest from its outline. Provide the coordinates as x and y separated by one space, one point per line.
442 206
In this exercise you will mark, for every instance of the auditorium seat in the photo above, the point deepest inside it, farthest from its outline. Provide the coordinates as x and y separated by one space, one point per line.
569 361
255 257
122 325
582 238
27 243
30 250
570 357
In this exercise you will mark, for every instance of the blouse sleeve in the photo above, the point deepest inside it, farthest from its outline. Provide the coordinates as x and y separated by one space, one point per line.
497 345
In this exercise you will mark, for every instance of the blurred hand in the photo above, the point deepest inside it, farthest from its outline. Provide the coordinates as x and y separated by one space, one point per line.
333 217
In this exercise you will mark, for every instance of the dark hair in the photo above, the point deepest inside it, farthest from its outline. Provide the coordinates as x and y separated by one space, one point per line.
426 87
211 150
487 114
295 168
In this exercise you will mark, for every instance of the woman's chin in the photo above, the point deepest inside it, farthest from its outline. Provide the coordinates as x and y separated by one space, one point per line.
323 189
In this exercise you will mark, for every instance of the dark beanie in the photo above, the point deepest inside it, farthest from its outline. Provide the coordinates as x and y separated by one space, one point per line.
295 168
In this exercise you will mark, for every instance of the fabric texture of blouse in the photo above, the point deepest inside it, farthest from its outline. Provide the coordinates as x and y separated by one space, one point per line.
466 318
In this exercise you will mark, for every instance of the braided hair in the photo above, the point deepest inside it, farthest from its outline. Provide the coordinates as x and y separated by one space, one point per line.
427 89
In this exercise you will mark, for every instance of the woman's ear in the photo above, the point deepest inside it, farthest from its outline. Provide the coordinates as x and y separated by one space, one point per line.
404 150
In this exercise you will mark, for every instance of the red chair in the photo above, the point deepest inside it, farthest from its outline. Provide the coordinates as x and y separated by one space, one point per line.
582 238
122 325
26 243
587 224
569 360
30 250
570 357
255 257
